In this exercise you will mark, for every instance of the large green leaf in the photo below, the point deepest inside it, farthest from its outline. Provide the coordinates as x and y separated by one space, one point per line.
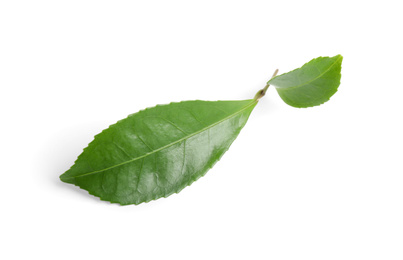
312 84
158 151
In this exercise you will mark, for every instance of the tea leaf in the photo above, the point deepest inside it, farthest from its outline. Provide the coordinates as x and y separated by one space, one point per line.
158 151
312 84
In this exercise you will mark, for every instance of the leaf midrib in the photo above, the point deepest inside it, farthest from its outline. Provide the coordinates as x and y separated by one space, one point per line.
312 80
166 146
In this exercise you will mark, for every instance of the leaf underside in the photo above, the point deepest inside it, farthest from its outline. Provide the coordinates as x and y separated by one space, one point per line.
311 85
158 151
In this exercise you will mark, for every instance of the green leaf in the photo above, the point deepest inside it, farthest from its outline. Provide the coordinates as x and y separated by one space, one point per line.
312 84
158 151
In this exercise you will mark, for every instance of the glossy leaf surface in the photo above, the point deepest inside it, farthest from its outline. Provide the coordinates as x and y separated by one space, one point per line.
312 84
158 151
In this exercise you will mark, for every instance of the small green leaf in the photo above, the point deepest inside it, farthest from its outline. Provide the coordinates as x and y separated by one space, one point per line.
312 84
158 151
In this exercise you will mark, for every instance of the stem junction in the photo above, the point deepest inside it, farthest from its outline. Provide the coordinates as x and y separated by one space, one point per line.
262 92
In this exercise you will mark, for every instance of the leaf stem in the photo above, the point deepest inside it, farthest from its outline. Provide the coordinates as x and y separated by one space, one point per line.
262 92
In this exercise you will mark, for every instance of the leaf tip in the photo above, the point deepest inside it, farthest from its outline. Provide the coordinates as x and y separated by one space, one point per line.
66 179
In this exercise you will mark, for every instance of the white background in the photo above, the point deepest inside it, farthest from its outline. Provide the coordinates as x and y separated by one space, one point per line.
318 183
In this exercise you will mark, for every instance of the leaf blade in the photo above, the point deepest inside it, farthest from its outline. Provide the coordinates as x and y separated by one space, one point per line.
311 85
164 150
